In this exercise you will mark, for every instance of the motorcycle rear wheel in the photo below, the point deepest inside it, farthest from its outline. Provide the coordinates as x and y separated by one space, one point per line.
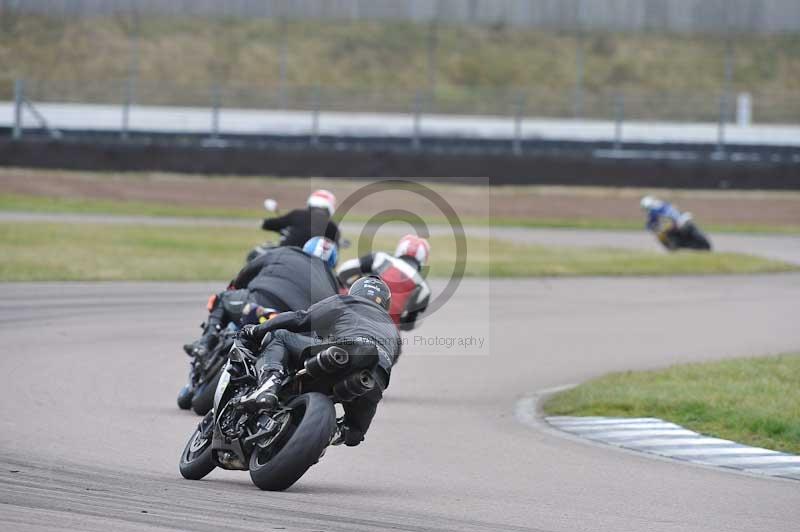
196 459
281 464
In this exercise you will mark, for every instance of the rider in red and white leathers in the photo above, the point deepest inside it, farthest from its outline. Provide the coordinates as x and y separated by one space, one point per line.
401 272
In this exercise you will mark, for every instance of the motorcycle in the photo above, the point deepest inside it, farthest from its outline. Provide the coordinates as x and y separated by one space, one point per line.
686 235
278 446
204 375
205 371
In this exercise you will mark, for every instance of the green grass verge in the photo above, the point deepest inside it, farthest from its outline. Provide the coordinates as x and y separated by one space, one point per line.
47 251
753 401
52 204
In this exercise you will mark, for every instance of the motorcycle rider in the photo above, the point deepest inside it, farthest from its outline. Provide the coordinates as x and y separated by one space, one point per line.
284 278
299 225
659 211
410 292
361 316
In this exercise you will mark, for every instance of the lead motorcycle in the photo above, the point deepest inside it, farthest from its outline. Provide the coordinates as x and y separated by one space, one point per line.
278 446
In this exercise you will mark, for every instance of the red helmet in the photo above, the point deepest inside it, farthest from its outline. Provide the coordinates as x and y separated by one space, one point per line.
415 247
323 199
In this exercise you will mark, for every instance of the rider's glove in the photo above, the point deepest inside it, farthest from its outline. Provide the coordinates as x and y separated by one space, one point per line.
249 337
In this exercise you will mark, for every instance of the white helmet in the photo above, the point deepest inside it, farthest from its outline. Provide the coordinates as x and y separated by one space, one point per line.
649 203
323 199
415 247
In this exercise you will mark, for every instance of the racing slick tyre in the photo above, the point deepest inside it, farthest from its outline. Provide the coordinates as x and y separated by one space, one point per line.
281 464
203 400
196 459
185 397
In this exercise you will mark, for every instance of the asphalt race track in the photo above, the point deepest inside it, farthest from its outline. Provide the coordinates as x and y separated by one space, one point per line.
90 434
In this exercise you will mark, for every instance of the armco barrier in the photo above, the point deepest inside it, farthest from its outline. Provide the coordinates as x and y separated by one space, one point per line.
446 160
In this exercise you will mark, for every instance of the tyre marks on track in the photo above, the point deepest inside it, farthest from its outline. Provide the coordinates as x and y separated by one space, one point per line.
66 496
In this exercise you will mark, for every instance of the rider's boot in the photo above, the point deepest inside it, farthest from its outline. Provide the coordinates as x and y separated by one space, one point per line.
203 346
265 396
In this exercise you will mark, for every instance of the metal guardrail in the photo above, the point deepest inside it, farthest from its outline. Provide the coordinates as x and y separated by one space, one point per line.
450 146
493 107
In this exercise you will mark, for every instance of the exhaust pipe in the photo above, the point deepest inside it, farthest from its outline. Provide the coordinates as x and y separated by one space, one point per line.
327 362
354 385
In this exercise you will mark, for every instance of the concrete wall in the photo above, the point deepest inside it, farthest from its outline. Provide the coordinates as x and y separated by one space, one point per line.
758 16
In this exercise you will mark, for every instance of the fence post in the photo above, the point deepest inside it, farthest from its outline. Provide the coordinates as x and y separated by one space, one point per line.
216 103
432 47
283 63
580 59
316 103
126 109
520 111
415 140
577 97
19 101
723 104
744 109
619 111
726 90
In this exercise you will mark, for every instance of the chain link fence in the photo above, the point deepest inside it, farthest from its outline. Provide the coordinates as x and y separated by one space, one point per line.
208 97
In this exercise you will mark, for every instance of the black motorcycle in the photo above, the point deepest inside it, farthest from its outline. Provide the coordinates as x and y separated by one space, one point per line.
205 371
687 236
204 375
278 446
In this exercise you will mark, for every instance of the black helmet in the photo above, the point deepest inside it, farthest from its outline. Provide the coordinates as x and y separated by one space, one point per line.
374 289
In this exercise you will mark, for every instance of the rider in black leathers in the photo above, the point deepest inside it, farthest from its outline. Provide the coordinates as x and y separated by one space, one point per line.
360 316
284 278
299 225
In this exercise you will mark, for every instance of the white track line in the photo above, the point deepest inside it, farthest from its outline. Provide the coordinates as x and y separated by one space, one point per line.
730 450
626 435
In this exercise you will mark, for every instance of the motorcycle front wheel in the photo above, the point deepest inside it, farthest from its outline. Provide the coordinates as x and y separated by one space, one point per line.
282 463
185 397
698 240
196 459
